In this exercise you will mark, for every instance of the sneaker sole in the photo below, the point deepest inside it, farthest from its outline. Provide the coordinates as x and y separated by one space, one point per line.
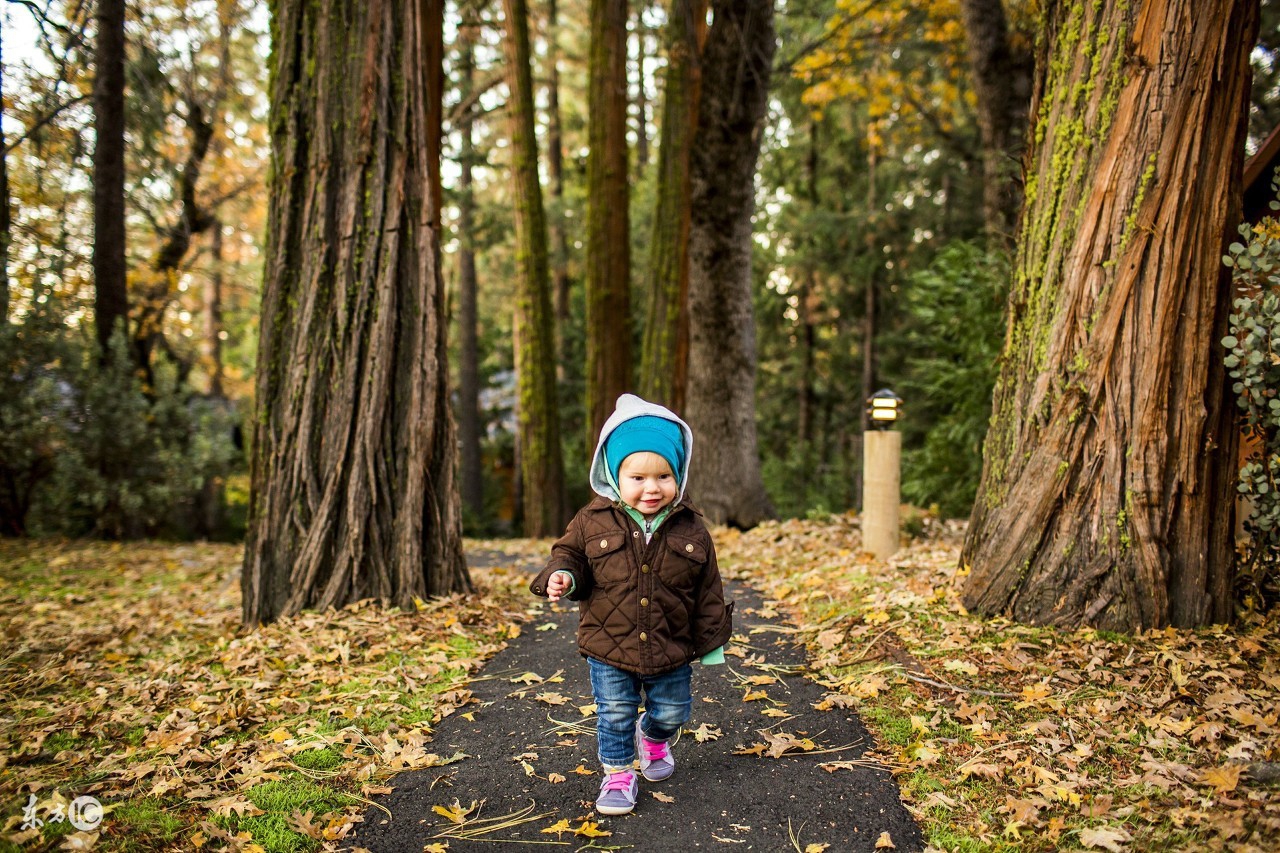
613 811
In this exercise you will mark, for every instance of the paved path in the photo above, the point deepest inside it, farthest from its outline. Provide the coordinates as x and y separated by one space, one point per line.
521 748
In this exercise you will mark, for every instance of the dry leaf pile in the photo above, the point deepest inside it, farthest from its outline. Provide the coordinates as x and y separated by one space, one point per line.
1006 736
124 675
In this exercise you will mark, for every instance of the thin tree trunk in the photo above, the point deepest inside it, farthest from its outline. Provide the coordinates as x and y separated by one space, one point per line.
1106 492
1001 80
545 501
664 360
472 475
725 478
111 297
642 94
555 172
354 452
6 224
608 227
213 313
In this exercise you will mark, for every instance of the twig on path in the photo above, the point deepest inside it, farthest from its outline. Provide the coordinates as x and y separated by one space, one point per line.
577 728
996 694
472 829
871 645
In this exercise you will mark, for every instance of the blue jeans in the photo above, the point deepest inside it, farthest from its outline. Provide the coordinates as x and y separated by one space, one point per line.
668 700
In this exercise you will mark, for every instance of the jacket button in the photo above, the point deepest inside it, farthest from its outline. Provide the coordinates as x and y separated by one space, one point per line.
644 602
635 534
604 543
688 548
643 636
645 568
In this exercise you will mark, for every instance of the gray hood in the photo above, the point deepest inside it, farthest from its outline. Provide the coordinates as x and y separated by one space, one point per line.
630 406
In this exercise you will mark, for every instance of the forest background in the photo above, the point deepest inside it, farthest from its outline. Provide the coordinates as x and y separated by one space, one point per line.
870 184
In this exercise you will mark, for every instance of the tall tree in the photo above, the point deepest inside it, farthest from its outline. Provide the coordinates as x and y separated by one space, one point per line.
736 64
1001 73
353 491
1106 492
608 227
468 325
111 297
664 359
555 174
541 462
6 226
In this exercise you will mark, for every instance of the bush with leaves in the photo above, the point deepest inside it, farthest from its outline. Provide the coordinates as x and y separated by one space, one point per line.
1253 363
955 323
83 451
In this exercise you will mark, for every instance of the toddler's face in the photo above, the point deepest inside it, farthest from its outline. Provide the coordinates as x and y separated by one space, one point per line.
645 482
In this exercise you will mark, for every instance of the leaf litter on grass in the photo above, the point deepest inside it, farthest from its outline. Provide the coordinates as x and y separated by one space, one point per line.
1006 736
129 679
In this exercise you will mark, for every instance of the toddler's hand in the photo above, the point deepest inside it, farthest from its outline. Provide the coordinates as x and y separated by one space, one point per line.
556 585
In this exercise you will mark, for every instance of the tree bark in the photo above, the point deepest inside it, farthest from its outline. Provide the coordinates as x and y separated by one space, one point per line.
1106 493
1002 83
542 468
111 296
608 227
555 173
472 475
642 95
6 224
725 477
354 453
664 360
213 313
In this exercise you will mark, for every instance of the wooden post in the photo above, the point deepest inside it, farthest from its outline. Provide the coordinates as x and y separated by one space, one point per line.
880 492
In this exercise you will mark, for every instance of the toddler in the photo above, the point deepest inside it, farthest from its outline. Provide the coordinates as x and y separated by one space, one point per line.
639 561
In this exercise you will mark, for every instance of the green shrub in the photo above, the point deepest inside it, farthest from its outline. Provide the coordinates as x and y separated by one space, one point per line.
955 309
84 451
1253 363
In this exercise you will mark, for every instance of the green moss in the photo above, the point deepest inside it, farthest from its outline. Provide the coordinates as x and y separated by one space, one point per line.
146 817
318 759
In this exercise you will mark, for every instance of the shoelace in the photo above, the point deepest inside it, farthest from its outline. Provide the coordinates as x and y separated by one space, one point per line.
618 782
654 749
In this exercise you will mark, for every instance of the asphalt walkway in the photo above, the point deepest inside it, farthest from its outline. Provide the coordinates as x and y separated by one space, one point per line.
764 765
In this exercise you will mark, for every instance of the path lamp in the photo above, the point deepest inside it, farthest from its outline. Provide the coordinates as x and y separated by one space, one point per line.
881 476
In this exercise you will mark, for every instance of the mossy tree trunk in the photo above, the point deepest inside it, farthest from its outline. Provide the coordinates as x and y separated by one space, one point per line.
472 476
541 464
555 175
354 453
725 475
608 227
664 360
1106 492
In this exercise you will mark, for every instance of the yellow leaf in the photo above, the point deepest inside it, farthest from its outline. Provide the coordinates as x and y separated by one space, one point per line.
815 848
1223 779
884 842
280 735
455 813
559 826
437 847
591 830
555 778
774 712
662 798
753 695
960 666
583 771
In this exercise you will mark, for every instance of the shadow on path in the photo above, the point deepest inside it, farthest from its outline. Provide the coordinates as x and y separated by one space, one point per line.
520 746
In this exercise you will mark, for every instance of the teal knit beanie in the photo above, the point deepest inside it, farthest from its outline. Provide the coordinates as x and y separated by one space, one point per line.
646 433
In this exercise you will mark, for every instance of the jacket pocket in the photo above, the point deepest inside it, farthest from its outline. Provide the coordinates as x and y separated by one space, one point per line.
608 564
683 562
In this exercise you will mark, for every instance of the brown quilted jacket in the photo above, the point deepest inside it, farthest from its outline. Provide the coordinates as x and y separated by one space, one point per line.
646 609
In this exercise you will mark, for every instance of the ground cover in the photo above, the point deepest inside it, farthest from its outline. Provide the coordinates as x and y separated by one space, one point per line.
1007 736
124 676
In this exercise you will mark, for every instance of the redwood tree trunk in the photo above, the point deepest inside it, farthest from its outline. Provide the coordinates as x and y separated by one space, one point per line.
1106 493
472 475
664 358
608 227
541 464
1001 80
725 478
555 174
111 297
353 491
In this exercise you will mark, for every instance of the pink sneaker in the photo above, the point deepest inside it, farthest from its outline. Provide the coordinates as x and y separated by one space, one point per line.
656 761
618 793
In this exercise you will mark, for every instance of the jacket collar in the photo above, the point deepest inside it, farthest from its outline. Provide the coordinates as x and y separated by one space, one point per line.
600 503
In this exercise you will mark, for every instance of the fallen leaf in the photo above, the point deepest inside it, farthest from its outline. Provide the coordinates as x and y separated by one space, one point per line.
559 826
960 666
436 847
1110 839
591 830
555 778
753 695
79 841
455 813
662 798
815 847
552 698
1223 779
581 770
885 842
704 733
